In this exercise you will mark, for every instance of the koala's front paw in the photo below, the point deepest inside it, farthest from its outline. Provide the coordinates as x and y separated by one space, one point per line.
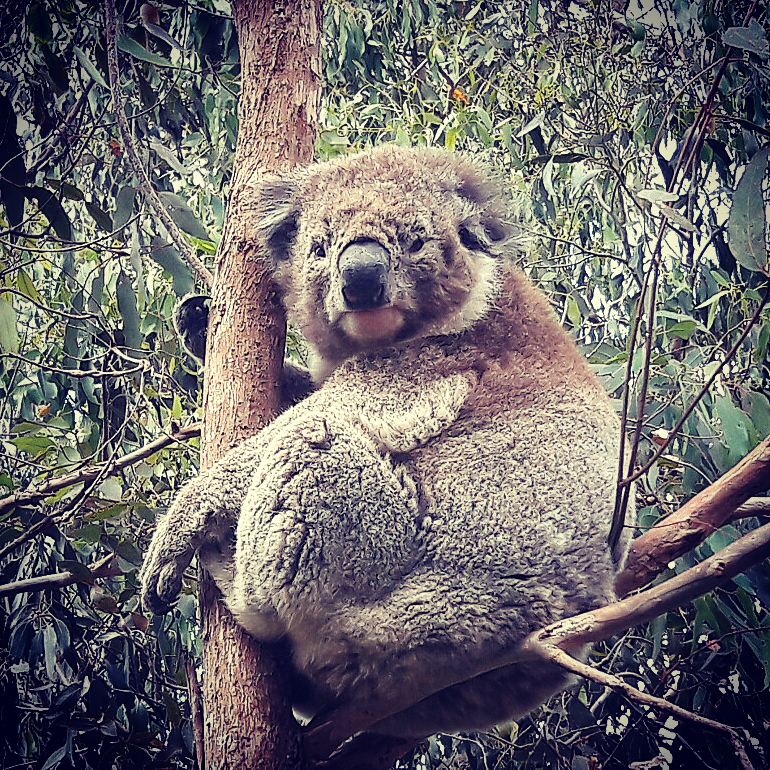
161 576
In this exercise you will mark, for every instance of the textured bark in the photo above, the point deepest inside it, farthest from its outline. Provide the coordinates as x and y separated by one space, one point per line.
248 721
695 520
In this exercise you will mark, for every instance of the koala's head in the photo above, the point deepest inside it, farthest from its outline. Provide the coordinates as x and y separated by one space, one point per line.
387 245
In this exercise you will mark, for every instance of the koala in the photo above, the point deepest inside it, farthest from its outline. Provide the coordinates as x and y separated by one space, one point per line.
191 320
448 487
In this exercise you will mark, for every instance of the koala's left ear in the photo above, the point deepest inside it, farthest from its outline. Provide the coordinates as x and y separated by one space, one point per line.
489 228
276 210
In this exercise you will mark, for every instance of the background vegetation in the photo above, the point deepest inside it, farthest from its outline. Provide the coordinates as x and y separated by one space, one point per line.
633 140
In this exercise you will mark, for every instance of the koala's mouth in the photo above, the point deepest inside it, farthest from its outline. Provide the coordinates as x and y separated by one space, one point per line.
376 325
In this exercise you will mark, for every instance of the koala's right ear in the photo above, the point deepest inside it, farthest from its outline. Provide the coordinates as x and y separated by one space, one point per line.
276 211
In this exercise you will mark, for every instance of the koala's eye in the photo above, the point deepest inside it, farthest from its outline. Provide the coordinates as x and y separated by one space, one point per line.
318 250
416 245
469 239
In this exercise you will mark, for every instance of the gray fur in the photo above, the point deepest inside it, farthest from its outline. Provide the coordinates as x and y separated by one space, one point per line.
449 487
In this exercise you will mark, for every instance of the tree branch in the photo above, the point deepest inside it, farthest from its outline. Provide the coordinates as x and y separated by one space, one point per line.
564 660
91 472
695 520
106 567
187 252
196 711
756 506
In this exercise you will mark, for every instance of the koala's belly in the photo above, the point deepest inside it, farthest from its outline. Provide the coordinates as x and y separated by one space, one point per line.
506 520
526 495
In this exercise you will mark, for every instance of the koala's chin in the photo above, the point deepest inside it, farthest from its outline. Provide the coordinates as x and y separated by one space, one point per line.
377 326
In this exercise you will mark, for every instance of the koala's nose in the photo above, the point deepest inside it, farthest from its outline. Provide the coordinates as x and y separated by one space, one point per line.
364 270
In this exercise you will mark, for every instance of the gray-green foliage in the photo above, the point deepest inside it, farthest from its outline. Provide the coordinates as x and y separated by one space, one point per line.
585 113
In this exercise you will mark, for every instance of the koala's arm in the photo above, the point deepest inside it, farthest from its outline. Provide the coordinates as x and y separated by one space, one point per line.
296 384
204 510
191 320
404 418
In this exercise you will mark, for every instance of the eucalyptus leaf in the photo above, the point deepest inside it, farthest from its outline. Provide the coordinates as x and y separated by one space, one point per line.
751 38
167 256
52 210
183 215
9 335
89 67
124 206
130 46
128 311
748 216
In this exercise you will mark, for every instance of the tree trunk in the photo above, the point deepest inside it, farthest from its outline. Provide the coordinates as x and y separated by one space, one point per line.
248 721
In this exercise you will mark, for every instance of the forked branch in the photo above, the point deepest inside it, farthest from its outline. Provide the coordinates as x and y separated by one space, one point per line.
106 567
698 518
90 472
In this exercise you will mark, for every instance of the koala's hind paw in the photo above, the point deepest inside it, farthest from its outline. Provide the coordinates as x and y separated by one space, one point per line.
161 582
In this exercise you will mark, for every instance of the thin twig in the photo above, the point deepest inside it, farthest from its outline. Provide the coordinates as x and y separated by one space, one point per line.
701 393
106 567
559 657
131 154
90 472
196 710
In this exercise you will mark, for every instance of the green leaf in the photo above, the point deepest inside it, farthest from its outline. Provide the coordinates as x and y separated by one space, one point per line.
124 206
183 215
532 14
89 67
168 258
735 428
683 329
130 46
49 652
748 218
128 311
38 21
100 216
677 217
33 445
26 286
169 156
751 38
573 312
76 568
657 196
57 70
55 758
760 352
67 190
111 489
161 34
9 336
52 210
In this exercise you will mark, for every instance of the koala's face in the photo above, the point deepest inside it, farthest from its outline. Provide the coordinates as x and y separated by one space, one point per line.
387 245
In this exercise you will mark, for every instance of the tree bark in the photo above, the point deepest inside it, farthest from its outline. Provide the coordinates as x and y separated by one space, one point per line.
248 720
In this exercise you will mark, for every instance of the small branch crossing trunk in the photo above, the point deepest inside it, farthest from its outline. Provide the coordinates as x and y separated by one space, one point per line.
247 718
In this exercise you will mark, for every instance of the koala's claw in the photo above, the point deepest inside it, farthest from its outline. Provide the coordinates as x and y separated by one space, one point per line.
161 584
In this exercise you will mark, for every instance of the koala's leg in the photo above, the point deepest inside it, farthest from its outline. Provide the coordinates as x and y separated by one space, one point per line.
329 520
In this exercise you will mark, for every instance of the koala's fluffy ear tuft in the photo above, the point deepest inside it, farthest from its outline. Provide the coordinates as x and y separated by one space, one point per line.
276 210
491 228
